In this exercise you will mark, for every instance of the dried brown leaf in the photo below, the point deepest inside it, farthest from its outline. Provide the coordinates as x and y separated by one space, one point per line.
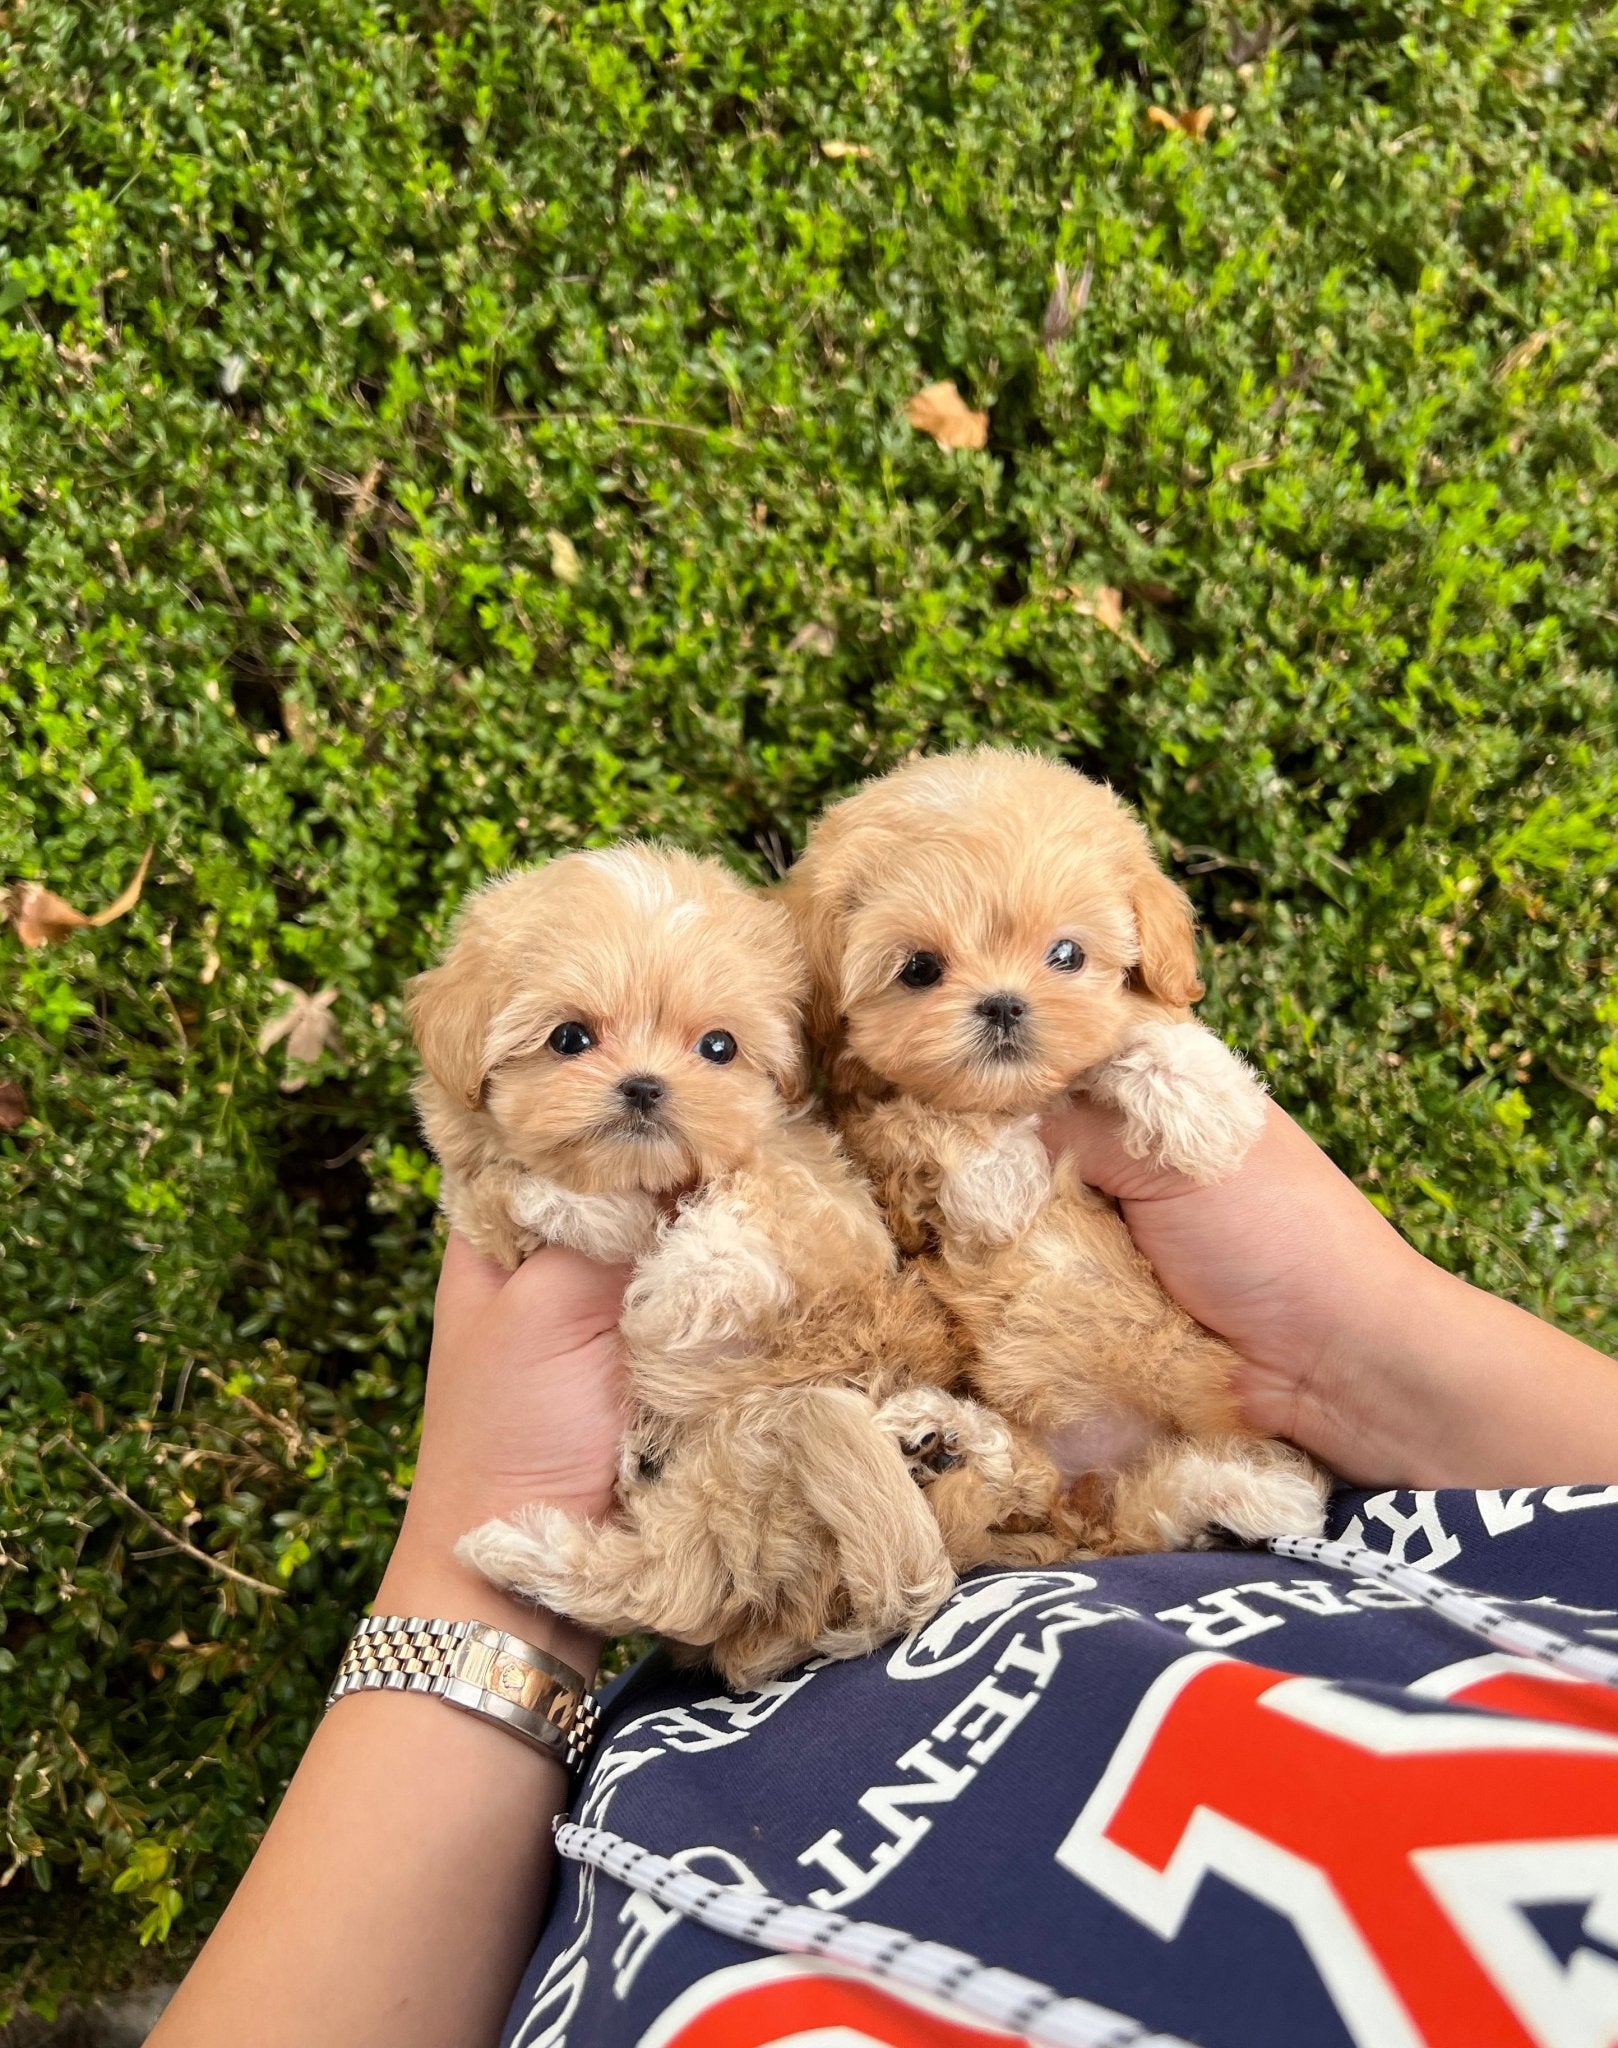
836 150
13 1105
813 637
1524 353
1105 605
940 410
308 1027
1193 122
299 725
41 917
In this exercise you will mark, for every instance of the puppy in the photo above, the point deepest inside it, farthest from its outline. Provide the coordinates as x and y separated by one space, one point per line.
613 1055
987 932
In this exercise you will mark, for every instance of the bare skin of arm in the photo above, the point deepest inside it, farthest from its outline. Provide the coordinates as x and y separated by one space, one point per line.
398 1892
1390 1370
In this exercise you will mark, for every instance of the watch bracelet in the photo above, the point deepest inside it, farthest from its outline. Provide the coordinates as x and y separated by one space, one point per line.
480 1669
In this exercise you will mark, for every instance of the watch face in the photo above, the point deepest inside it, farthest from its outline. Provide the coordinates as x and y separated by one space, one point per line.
509 1678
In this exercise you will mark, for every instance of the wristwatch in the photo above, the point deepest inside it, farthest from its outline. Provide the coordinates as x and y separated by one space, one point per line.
480 1669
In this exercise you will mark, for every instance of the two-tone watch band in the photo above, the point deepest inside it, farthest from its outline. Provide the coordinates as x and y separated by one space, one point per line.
479 1668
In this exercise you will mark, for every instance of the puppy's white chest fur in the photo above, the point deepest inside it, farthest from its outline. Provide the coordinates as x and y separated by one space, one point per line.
616 1229
990 1194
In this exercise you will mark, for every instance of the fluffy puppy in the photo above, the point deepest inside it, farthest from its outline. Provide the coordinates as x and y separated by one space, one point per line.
613 1055
987 932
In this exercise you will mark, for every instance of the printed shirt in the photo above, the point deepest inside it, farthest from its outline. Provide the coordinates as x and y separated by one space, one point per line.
1237 1799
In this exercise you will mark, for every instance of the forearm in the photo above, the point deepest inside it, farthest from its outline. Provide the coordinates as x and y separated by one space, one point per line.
1447 1386
400 1887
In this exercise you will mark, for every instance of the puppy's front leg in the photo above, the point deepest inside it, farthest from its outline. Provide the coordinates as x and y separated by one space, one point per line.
1189 1103
714 1284
978 1179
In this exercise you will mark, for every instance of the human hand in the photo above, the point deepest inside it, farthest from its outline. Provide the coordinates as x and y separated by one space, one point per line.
1288 1262
526 1402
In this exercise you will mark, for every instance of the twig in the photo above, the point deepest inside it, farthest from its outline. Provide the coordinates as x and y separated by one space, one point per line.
1567 1081
288 1432
1204 860
623 419
214 1564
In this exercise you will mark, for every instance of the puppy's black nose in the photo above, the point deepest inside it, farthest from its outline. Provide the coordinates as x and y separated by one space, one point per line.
1004 1012
643 1092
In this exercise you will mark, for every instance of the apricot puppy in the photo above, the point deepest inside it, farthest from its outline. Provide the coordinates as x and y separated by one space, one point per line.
987 932
613 1054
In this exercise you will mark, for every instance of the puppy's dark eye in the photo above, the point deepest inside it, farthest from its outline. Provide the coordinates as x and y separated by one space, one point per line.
717 1046
922 970
1067 956
570 1040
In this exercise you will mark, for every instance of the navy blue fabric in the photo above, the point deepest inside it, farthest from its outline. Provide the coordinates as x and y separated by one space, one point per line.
937 1787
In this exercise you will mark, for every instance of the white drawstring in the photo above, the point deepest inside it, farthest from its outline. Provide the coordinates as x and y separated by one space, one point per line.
1000 1998
1019 2005
1473 1612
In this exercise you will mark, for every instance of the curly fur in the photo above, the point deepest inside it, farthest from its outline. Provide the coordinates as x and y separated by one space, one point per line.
1061 959
766 1508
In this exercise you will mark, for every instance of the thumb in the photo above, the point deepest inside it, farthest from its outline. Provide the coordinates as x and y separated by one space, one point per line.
578 1298
467 1281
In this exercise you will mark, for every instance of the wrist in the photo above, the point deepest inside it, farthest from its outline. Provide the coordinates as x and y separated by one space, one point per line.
1382 1404
424 1577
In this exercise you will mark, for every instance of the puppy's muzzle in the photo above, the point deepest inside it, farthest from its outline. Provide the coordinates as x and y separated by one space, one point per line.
1003 1026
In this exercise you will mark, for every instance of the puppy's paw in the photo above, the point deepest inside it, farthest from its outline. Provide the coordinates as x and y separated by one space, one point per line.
990 1194
616 1229
713 1285
1202 1498
1189 1103
937 1433
538 1554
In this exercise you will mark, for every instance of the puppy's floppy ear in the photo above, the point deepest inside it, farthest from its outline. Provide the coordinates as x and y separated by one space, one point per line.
450 1010
819 900
1164 923
783 975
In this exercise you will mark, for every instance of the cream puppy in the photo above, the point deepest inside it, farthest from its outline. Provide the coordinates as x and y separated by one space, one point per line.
613 1054
987 932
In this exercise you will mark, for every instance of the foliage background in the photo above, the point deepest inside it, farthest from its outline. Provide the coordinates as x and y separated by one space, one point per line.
320 320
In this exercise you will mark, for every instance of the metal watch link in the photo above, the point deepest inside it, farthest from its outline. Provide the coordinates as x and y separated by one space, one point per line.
482 1670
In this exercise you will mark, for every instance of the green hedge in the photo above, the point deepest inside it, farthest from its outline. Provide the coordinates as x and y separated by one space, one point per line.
435 435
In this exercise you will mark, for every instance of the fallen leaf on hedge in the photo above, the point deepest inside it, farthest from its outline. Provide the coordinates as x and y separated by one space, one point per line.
41 916
813 637
1524 353
13 1105
1105 605
308 1027
564 557
840 149
941 411
1193 122
299 725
